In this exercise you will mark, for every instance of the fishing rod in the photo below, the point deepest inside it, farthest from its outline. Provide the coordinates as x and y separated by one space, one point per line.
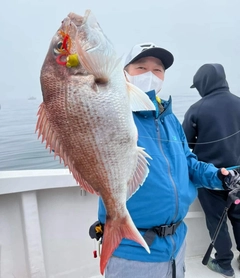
232 198
233 167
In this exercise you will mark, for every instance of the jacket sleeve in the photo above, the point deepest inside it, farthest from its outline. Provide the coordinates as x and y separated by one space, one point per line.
201 174
190 129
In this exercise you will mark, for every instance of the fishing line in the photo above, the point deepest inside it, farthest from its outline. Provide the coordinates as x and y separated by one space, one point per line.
215 141
203 143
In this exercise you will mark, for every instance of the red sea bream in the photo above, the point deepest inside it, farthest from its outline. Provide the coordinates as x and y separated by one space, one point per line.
86 118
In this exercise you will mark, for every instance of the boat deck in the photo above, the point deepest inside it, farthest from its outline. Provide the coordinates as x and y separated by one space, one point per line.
195 268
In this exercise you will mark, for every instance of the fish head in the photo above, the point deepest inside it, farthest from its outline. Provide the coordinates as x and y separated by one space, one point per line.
95 51
90 34
61 61
63 45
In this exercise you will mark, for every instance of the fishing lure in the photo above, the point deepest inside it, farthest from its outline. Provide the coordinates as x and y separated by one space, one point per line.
65 58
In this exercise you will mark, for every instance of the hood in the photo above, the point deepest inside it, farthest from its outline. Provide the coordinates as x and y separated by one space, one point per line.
208 78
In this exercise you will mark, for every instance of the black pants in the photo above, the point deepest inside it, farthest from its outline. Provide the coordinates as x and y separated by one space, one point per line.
213 203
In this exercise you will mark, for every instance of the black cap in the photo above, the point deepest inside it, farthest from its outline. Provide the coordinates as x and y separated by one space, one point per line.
149 49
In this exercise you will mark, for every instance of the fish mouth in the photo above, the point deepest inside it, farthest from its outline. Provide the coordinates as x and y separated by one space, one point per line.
78 20
82 25
91 31
68 28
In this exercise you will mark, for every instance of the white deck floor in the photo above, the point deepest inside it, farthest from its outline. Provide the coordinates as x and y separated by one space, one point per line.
195 268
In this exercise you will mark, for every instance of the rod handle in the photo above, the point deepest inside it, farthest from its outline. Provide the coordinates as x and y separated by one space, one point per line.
207 255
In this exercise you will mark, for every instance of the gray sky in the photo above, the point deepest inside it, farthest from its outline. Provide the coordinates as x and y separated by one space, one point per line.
195 31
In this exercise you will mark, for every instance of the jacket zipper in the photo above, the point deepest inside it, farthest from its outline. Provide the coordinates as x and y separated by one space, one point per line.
168 165
172 181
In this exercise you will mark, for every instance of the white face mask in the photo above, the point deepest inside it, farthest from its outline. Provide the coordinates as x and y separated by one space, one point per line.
146 81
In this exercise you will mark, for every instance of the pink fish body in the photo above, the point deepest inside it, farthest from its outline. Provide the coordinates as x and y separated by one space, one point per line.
86 118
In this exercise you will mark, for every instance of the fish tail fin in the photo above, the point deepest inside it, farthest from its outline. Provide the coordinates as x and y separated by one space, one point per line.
139 101
140 173
114 232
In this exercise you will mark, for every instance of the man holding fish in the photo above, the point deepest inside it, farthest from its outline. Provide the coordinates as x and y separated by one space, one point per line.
115 134
161 203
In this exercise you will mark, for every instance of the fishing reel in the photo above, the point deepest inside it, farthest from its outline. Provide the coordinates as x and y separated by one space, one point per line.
96 230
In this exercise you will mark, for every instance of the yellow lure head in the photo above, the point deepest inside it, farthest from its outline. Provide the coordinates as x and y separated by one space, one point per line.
72 61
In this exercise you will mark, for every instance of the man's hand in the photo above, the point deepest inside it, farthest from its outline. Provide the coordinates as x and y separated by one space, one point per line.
230 179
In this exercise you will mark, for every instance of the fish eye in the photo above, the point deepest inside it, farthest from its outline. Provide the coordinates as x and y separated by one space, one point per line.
58 49
59 45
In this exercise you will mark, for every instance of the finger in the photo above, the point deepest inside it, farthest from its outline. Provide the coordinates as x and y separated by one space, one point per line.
224 171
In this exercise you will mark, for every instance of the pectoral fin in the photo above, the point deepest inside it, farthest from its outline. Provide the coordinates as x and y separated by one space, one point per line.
139 101
140 173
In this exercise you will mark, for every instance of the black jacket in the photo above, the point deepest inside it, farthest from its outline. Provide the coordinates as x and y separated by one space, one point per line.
212 124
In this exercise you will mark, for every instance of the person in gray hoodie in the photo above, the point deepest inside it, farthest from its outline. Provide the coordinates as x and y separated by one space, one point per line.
212 128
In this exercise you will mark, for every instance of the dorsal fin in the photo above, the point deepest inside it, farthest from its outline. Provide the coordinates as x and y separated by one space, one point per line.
45 130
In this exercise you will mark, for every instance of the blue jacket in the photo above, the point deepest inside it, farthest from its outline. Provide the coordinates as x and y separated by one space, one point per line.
170 188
